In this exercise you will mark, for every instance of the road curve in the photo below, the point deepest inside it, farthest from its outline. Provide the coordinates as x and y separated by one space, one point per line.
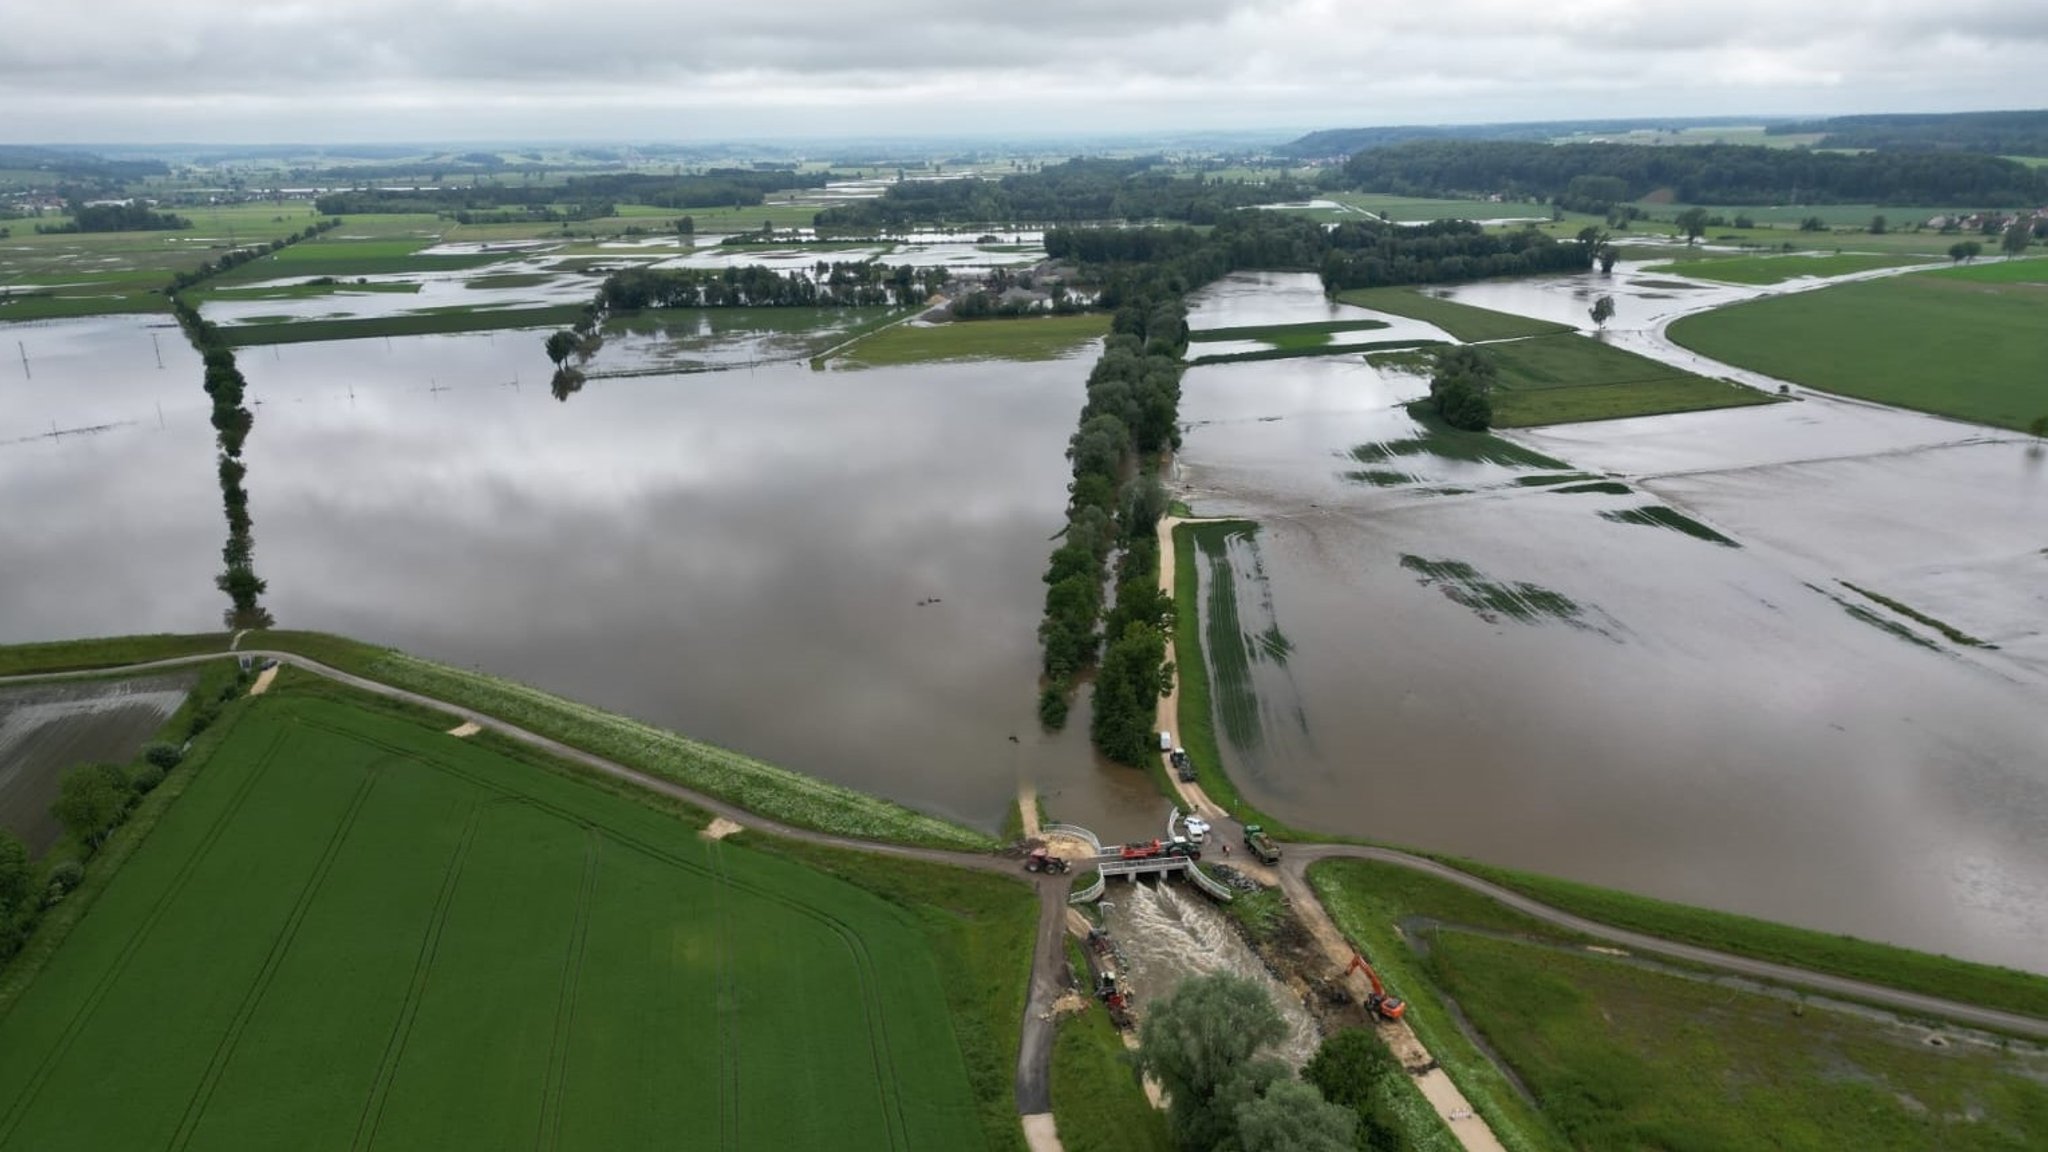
1300 856
1034 1052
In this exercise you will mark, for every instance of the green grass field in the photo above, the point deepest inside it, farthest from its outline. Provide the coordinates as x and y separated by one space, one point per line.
1962 342
1569 378
1287 335
1097 1101
1777 269
351 929
1620 1055
1462 321
298 331
1022 338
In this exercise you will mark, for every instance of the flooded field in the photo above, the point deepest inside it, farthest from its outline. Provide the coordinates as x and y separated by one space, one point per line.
837 574
1496 659
46 730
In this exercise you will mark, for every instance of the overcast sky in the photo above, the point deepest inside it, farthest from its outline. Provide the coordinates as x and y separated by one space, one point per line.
373 70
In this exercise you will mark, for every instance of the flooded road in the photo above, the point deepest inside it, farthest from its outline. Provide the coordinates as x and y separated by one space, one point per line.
834 571
1533 677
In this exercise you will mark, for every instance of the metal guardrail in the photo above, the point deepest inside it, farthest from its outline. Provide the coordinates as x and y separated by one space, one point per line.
1210 884
1091 892
1073 831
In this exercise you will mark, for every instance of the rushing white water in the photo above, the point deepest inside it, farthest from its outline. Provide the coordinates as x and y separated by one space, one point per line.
1168 933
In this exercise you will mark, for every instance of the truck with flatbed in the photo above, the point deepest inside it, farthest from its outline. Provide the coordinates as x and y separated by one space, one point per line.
1261 845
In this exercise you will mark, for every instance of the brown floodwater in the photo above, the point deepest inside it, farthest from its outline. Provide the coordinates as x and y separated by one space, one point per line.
835 571
1635 706
47 730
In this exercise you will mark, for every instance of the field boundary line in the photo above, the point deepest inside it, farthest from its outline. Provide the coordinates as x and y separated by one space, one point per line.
279 948
105 983
430 943
555 1088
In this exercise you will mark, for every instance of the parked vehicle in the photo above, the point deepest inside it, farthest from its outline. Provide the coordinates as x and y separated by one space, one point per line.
1261 845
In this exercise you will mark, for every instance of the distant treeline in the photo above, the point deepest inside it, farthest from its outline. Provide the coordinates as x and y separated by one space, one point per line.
719 188
75 164
1997 133
842 284
1363 254
1701 174
131 217
1345 141
1078 190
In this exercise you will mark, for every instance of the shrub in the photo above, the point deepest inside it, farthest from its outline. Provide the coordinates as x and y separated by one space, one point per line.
163 755
65 875
145 778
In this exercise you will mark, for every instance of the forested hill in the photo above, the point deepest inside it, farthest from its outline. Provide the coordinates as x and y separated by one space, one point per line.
1345 141
1998 133
1585 175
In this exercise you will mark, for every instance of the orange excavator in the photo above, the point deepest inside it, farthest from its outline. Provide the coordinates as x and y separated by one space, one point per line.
1381 1003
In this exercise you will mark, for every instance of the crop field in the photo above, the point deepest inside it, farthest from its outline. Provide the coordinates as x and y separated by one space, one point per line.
86 273
1625 1053
353 930
1463 321
1569 378
1022 338
1778 269
1955 342
48 729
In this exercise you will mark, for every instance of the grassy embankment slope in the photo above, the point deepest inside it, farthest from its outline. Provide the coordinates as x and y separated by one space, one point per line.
765 789
1618 1053
1968 342
1551 375
1018 338
353 924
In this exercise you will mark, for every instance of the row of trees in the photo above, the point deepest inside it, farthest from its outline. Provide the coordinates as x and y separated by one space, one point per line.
1372 255
232 420
1078 190
1586 176
1203 1043
133 216
833 285
236 257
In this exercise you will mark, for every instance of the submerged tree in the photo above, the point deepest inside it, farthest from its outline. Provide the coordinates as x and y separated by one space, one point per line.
1603 311
1693 223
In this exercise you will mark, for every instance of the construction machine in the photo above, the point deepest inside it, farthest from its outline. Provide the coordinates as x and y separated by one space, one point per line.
1042 860
1380 1003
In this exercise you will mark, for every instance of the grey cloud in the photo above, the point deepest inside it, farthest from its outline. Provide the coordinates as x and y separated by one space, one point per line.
116 69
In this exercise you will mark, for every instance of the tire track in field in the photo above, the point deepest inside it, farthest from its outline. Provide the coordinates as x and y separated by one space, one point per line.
888 1089
387 1069
217 1067
555 1088
727 1005
105 983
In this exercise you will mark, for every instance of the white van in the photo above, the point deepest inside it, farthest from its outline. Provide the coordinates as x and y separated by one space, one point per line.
1166 741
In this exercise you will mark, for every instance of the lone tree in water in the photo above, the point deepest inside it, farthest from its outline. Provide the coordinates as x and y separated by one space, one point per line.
560 346
1603 311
